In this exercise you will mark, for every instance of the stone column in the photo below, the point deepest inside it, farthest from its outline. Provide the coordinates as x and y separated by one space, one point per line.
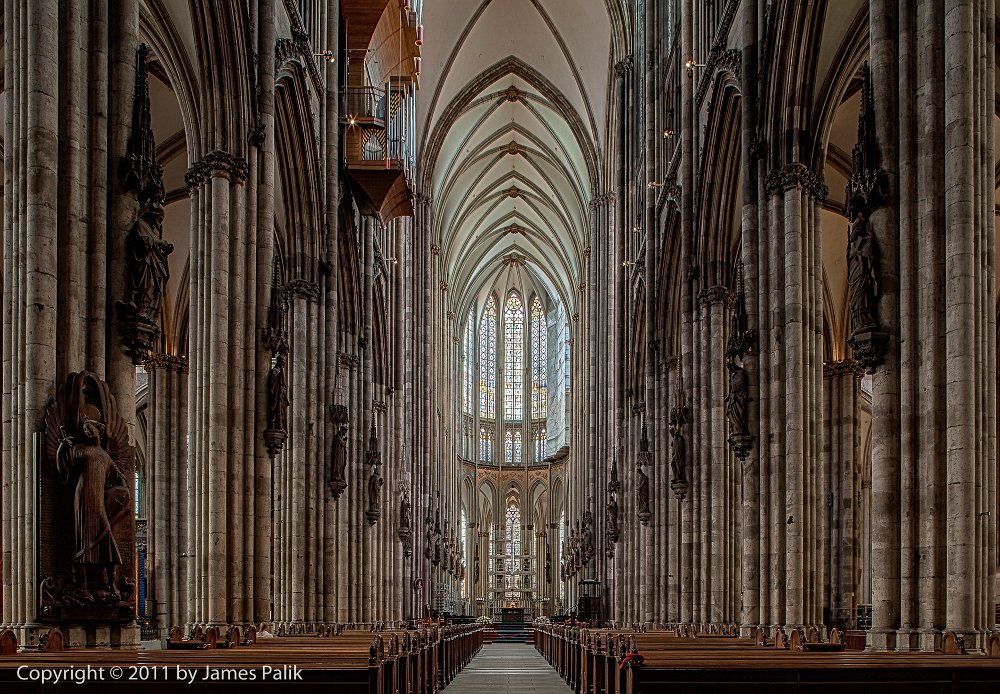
842 462
166 463
751 582
934 183
687 366
58 264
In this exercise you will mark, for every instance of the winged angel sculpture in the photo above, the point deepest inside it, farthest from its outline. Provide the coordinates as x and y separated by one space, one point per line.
86 441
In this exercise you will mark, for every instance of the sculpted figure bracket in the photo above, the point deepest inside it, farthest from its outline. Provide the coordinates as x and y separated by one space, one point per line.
337 477
146 256
277 407
867 190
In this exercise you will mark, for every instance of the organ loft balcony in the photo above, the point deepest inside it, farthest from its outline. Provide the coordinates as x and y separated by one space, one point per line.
377 113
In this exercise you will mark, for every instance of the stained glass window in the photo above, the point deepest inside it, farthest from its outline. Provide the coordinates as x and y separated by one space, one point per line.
508 446
488 360
513 367
567 364
539 353
562 547
513 562
462 538
485 445
517 447
540 434
469 363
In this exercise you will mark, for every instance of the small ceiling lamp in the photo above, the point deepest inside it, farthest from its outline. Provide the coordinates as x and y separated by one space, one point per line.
328 54
420 35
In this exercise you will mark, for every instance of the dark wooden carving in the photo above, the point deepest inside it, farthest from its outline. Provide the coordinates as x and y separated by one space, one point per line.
87 535
139 312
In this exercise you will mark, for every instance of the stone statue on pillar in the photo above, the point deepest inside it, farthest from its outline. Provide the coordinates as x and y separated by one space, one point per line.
375 482
374 492
337 479
405 531
587 551
642 491
862 283
277 407
738 399
678 451
612 531
867 190
146 257
642 479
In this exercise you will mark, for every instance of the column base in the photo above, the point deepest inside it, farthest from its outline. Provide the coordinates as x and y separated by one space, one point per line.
29 636
929 640
907 640
881 640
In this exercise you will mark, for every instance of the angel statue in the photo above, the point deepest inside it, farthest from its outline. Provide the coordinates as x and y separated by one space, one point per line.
87 441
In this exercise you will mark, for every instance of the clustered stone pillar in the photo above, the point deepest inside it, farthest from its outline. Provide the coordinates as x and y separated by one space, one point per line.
934 471
790 343
167 502
842 465
63 63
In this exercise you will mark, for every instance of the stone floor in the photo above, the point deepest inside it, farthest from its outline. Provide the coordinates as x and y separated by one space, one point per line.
508 667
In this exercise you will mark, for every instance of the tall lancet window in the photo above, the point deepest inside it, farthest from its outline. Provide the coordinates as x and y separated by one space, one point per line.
562 548
469 363
463 536
513 367
488 361
539 355
485 445
512 447
512 560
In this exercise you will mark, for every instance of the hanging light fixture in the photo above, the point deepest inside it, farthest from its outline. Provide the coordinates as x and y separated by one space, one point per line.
416 66
420 35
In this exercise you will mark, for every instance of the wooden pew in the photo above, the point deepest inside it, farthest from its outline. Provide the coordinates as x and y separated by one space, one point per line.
385 662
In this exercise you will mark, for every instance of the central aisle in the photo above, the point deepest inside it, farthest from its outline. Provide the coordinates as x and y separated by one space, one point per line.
508 667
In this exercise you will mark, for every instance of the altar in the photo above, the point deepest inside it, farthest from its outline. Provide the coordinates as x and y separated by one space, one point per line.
512 615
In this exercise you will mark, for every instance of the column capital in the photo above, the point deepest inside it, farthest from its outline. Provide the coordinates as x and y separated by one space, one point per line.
832 369
796 175
716 295
168 362
216 163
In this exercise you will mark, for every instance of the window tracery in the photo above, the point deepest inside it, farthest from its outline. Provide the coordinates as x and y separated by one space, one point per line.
539 360
488 360
513 358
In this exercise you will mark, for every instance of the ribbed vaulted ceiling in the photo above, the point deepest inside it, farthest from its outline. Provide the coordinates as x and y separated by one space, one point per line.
511 124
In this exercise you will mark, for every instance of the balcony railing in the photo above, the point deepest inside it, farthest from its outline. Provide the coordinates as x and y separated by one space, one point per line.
362 103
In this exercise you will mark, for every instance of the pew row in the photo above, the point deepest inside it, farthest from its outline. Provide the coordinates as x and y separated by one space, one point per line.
612 661
421 661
